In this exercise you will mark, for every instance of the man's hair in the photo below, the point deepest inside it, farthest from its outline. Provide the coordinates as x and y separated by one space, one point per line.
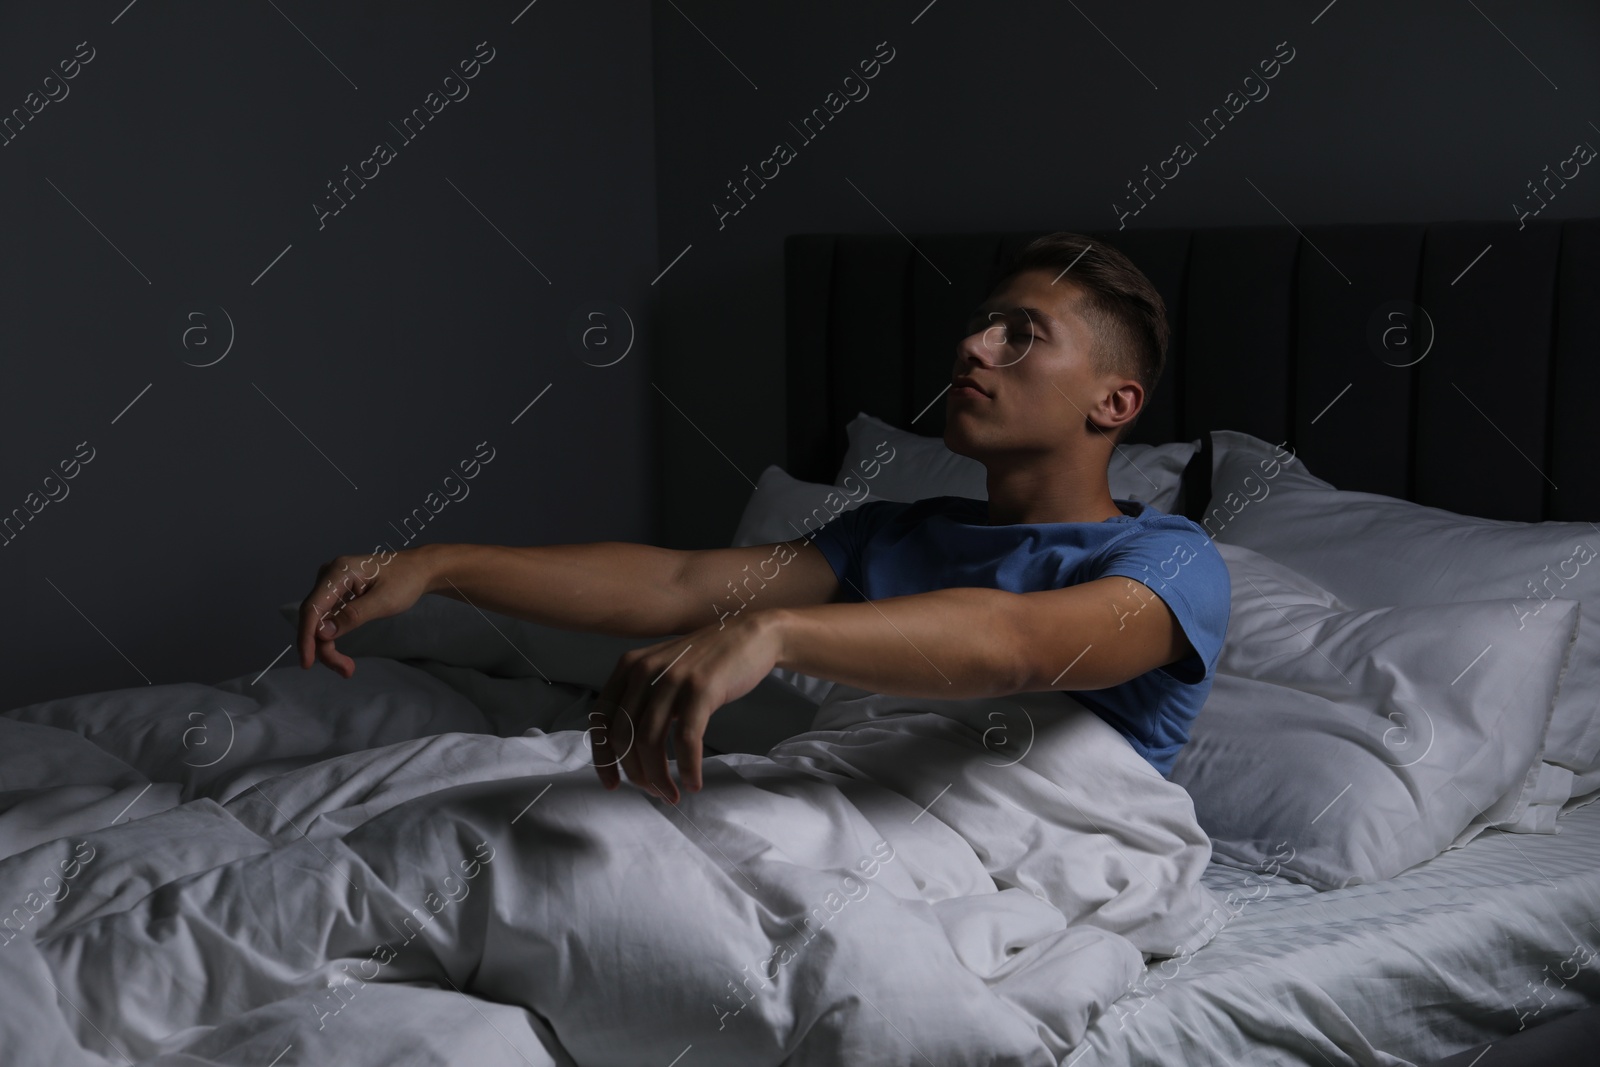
1124 311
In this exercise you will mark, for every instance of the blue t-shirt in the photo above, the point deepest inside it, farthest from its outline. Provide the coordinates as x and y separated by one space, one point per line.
886 548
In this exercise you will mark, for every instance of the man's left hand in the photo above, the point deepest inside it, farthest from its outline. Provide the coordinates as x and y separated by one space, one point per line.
677 684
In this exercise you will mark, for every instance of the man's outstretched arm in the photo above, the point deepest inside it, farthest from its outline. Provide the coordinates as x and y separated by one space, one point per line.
610 587
947 644
970 642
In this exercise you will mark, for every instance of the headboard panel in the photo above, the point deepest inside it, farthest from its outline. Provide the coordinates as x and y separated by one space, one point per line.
1310 337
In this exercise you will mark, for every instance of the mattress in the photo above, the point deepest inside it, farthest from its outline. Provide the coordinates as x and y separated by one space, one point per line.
1464 949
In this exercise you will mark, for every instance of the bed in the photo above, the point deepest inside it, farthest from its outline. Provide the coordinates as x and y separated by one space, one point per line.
416 865
1473 404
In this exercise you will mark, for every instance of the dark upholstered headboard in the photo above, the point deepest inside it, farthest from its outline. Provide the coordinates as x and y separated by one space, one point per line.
1289 336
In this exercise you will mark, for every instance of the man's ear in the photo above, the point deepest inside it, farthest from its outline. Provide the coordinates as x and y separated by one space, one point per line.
1118 406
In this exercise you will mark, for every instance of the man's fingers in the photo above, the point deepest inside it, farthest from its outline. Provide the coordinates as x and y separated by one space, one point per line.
687 745
334 658
600 751
634 695
607 743
336 585
690 737
638 759
641 701
342 620
686 713
645 695
609 718
314 626
632 763
654 745
310 617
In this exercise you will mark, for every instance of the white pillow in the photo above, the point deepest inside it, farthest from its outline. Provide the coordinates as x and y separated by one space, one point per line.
1373 550
1271 584
925 467
784 508
1366 741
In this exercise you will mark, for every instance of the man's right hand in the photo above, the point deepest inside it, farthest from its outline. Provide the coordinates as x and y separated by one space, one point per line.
352 590
608 587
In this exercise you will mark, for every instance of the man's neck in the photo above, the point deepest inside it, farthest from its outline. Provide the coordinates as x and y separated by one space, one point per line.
1050 489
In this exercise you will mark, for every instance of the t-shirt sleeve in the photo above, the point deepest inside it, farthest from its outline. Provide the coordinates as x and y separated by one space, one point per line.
1186 571
840 540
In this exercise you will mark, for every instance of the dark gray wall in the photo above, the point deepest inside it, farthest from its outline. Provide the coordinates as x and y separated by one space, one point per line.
1028 115
383 347
370 360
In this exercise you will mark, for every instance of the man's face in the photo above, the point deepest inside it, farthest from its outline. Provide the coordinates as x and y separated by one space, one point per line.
1028 349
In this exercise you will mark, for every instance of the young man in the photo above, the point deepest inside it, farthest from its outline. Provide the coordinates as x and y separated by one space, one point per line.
1049 584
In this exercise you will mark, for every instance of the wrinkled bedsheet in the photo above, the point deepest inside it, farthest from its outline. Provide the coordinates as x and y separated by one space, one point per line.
311 869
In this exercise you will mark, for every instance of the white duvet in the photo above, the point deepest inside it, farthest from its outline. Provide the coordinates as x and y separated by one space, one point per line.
315 870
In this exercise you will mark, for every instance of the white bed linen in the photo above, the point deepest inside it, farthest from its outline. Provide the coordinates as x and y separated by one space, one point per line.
1461 950
1445 956
1374 551
1369 740
258 911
